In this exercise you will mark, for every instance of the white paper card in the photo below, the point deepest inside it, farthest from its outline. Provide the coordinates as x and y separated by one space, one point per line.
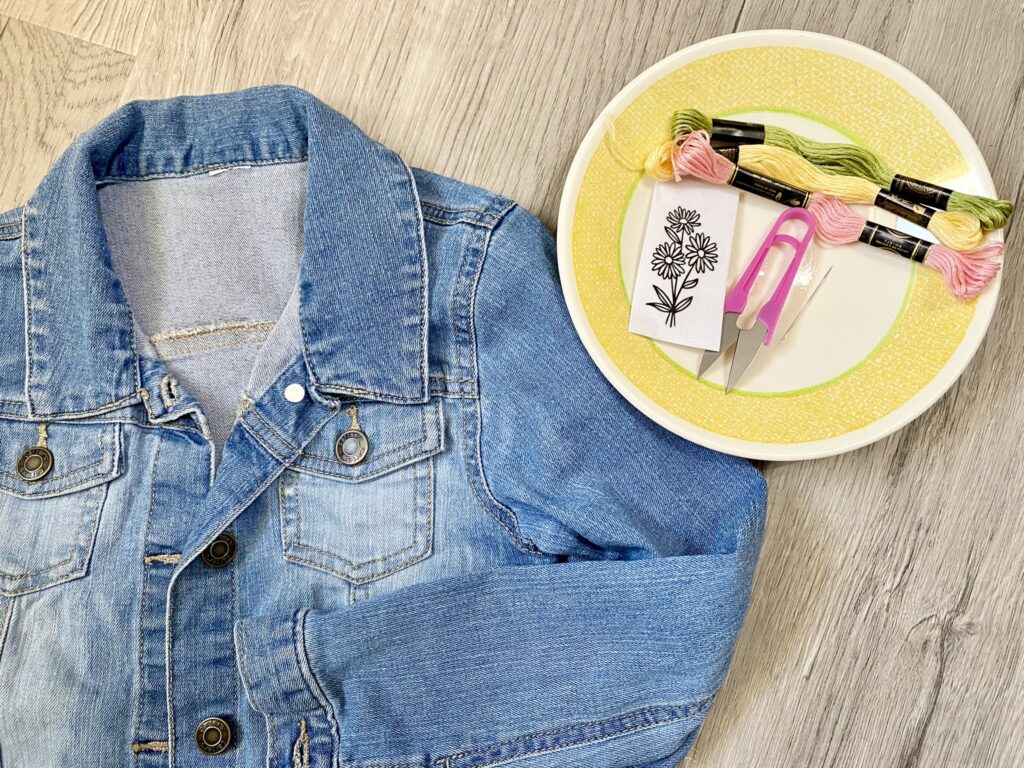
680 283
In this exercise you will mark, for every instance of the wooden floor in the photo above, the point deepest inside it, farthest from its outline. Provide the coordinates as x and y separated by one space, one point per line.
888 614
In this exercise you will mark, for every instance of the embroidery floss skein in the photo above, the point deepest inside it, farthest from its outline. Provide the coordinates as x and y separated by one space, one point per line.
966 272
959 231
846 160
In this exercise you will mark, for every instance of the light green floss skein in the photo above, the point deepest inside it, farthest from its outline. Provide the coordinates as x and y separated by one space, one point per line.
851 160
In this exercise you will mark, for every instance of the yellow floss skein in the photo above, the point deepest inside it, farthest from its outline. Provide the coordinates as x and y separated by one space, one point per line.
959 231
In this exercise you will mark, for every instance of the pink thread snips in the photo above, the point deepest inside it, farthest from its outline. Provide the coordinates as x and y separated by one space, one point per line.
749 342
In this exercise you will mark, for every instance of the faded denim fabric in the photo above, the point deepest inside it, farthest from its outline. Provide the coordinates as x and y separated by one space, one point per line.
523 571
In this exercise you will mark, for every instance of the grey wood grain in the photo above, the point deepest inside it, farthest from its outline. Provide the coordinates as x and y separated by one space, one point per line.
887 616
52 87
115 24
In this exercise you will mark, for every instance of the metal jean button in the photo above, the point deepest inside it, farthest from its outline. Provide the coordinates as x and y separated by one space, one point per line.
352 445
35 463
221 552
213 736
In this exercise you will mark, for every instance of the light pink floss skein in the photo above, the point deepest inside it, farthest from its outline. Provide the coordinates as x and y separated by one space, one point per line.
966 272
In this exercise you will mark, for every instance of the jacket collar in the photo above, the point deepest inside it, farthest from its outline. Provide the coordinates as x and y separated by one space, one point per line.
362 279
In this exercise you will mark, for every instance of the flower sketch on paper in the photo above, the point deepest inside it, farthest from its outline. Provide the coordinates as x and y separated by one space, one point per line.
686 251
683 220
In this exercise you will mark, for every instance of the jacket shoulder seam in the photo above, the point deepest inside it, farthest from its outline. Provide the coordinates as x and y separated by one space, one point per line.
485 218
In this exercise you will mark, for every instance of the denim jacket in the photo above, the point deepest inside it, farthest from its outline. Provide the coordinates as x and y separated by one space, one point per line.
303 465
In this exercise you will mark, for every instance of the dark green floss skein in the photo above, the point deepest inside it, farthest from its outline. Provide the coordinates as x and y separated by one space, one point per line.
851 160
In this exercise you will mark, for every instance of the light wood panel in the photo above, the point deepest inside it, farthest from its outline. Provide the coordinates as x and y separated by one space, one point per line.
114 24
887 617
52 87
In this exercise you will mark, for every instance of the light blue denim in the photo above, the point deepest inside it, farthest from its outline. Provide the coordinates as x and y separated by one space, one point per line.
524 571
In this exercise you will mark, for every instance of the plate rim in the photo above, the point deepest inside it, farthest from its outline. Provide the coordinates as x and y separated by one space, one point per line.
917 404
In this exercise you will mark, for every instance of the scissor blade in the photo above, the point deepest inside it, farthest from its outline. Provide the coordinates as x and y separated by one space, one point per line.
747 346
729 333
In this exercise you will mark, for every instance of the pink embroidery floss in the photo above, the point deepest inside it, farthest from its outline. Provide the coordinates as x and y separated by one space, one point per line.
966 273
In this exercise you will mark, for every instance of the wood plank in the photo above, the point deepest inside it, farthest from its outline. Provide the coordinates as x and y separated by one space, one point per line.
116 24
52 87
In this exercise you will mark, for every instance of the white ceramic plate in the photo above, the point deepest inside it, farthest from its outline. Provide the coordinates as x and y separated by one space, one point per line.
882 339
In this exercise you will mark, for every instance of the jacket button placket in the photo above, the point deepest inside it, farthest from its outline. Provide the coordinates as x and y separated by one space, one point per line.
178 481
205 676
202 610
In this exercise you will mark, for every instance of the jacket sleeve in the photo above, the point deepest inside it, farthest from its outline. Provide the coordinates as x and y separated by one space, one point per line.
605 652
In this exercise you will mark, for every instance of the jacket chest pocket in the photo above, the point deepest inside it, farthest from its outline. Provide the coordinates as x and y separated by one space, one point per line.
364 520
50 499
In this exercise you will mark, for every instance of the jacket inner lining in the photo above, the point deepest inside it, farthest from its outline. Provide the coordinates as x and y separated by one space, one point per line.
210 265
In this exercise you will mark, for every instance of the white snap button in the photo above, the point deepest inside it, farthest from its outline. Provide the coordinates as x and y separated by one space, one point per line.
294 393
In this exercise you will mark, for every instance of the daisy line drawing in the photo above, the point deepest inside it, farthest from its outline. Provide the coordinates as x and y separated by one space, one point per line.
683 220
686 251
702 253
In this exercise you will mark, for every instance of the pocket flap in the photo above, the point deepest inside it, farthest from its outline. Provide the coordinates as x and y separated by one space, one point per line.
397 435
48 526
84 454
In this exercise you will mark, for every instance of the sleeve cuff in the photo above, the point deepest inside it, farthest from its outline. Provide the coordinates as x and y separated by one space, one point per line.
271 660
301 727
